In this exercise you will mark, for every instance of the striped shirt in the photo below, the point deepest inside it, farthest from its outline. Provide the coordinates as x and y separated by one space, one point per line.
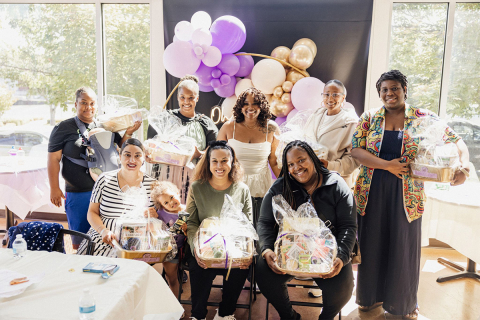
113 203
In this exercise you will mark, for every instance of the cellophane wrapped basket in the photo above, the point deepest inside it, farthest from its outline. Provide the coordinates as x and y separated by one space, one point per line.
435 160
226 241
304 246
170 145
139 237
293 130
119 113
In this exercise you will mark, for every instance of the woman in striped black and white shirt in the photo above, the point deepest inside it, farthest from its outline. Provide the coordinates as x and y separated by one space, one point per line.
107 202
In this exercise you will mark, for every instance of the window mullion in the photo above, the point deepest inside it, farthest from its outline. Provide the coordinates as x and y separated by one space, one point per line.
100 53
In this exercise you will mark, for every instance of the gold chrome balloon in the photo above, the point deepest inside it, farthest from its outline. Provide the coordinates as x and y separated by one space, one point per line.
277 92
281 53
307 42
293 76
287 86
301 56
280 109
286 98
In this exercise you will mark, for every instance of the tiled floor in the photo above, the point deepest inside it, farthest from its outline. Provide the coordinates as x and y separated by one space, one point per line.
453 300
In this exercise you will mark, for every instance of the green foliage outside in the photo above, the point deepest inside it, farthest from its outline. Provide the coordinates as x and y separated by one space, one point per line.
6 99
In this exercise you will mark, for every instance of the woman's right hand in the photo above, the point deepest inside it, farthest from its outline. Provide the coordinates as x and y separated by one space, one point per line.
397 168
107 236
199 262
271 259
56 196
150 211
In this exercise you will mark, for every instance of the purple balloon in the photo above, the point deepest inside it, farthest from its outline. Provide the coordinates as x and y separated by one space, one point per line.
179 59
204 74
215 83
205 88
216 73
229 64
228 34
226 90
225 79
280 120
246 65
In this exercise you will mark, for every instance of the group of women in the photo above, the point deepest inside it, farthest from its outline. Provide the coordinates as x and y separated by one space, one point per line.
235 161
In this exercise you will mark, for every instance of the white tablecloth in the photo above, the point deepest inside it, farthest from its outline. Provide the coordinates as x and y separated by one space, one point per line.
135 291
453 217
24 188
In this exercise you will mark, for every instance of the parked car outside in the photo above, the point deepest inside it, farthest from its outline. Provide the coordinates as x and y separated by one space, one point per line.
21 138
470 133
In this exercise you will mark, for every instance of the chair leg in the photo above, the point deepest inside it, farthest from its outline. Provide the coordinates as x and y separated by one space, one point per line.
266 311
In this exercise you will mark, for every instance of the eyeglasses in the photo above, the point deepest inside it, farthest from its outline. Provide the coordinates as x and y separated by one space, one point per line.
333 95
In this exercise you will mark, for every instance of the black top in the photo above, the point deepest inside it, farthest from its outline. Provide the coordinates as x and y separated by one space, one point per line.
333 199
208 126
66 136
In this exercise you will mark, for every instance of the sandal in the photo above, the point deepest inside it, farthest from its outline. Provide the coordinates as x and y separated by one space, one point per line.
368 308
413 315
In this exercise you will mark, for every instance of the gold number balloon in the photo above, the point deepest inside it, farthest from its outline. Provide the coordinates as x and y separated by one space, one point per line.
301 56
309 43
293 76
281 53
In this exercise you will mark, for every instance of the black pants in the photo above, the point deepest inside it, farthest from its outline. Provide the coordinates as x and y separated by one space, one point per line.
201 283
336 291
256 204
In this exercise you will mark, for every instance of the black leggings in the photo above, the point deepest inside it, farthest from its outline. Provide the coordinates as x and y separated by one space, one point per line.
336 291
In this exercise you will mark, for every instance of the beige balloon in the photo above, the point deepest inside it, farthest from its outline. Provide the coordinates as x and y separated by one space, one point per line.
280 109
309 43
286 98
301 57
281 53
293 76
277 92
287 86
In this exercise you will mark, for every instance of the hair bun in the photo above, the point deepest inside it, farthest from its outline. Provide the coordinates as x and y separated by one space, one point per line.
190 77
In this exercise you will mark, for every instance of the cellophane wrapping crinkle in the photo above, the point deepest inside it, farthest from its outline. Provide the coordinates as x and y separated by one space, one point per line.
170 145
304 246
294 129
119 113
226 241
435 160
139 234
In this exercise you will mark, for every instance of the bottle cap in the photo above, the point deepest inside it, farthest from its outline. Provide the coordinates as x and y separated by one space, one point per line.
19 236
19 148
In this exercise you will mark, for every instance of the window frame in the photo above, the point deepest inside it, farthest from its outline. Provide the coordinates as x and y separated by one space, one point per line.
379 52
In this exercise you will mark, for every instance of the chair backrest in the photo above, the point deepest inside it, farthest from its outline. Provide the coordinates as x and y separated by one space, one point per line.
64 240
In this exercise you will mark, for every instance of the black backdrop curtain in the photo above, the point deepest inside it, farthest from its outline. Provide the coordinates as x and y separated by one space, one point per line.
339 28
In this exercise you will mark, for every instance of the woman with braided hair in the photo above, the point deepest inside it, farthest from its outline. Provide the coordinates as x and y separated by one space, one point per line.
200 127
251 134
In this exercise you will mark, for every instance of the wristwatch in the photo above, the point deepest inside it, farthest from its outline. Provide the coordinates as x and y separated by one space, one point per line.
265 251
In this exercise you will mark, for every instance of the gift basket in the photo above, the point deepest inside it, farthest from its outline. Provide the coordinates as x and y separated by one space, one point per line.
294 130
435 160
139 238
305 246
119 113
226 241
170 145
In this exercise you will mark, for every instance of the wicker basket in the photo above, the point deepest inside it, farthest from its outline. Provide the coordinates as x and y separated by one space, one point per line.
150 257
219 263
425 172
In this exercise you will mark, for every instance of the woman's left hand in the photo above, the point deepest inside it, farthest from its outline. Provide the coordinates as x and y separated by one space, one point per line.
184 228
337 267
458 178
197 154
132 129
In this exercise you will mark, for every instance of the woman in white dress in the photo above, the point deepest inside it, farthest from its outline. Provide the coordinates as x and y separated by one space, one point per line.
251 134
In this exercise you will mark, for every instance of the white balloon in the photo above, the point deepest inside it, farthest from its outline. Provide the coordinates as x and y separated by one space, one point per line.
212 57
202 37
175 39
227 106
268 74
201 19
291 114
243 85
184 30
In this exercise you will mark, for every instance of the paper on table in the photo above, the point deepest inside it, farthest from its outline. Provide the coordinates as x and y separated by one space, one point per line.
7 290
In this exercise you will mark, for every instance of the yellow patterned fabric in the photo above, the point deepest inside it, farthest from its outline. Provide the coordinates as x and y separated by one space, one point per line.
369 135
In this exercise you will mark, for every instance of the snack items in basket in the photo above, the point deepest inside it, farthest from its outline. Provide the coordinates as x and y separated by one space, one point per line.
226 241
304 246
119 113
170 145
435 160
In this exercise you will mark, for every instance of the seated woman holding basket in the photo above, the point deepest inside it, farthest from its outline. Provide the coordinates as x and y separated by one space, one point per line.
304 179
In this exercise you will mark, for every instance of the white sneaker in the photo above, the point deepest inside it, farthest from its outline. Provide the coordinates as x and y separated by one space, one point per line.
315 293
193 318
230 317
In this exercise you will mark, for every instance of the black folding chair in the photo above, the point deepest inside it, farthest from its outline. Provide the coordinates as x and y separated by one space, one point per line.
64 239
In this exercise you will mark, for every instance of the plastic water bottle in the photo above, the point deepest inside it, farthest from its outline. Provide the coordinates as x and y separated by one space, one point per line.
19 247
87 305
21 156
12 151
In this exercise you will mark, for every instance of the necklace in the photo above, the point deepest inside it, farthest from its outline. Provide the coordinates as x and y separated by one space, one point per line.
314 185
248 127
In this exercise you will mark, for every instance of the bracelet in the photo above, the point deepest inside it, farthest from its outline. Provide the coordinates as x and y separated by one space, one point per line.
101 233
265 251
127 135
466 171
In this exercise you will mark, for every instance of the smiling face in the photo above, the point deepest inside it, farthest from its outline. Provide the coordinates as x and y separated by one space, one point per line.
300 166
170 200
392 94
220 163
131 158
86 106
187 100
250 109
335 98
